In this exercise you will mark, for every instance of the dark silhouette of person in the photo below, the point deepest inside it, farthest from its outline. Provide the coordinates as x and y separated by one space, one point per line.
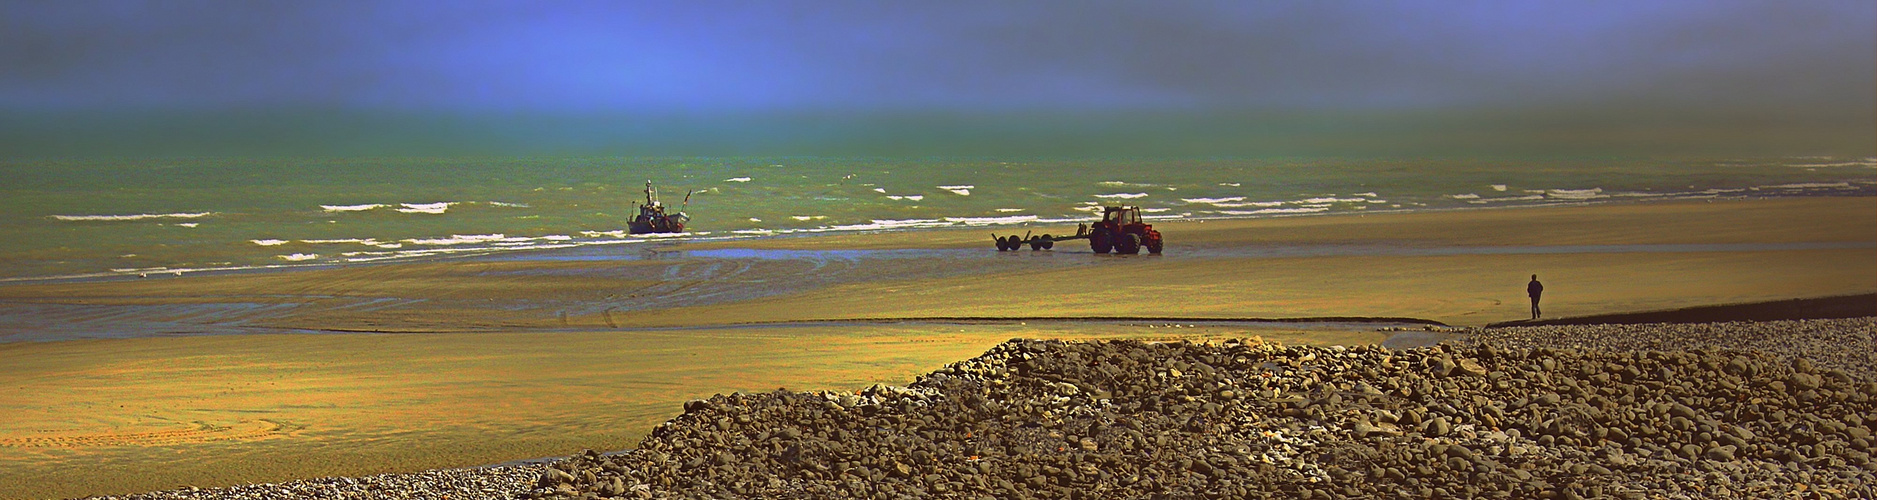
1534 289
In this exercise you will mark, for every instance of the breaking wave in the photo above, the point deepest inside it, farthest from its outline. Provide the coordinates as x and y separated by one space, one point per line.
182 215
426 208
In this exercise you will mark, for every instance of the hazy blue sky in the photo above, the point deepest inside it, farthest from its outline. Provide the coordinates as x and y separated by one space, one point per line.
390 77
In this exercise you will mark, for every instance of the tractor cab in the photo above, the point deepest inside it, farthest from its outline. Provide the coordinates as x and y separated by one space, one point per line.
1121 216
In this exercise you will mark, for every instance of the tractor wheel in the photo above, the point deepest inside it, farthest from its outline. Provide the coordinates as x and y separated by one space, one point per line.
1153 246
1130 244
1099 242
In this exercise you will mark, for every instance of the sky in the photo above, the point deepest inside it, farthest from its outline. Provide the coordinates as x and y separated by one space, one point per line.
957 77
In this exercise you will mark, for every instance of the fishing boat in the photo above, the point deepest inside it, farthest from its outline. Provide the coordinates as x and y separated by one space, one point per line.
653 218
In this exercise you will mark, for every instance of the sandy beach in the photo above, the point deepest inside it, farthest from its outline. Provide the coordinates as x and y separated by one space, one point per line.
265 377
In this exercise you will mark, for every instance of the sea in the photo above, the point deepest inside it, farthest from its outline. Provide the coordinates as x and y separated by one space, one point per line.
105 219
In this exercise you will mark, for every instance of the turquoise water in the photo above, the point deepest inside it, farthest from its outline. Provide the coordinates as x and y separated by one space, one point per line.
105 218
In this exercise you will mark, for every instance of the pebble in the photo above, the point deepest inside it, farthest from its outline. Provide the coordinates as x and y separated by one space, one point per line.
1725 410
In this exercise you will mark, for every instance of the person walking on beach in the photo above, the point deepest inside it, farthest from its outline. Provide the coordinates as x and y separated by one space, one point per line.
1534 289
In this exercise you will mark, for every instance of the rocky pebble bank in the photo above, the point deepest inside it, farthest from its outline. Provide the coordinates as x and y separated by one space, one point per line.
1245 419
487 483
1632 411
1844 344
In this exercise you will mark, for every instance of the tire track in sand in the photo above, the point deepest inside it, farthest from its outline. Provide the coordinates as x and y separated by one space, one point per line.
191 433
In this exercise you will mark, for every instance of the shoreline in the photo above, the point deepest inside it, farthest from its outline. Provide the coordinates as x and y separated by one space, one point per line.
657 243
1312 266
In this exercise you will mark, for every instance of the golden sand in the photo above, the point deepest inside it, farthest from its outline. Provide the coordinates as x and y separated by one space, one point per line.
122 416
517 368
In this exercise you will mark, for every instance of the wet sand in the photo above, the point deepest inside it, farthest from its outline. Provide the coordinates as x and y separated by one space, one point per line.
496 359
115 416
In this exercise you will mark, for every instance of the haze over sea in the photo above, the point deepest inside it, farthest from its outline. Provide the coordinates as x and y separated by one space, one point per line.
119 218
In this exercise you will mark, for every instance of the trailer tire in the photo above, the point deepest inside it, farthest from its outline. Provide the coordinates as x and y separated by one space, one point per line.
1047 242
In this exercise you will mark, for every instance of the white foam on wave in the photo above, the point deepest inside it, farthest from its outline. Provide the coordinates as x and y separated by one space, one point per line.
807 217
1467 196
1370 194
186 224
1213 201
426 208
1331 199
297 257
617 233
879 190
1122 196
1811 185
269 242
362 241
1576 194
1499 187
1533 197
964 190
352 208
1231 184
878 224
430 252
1868 162
1273 211
182 215
913 197
737 179
987 221
1009 210
457 239
1244 204
509 205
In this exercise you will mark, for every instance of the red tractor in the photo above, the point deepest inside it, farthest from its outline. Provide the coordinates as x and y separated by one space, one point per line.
1120 231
